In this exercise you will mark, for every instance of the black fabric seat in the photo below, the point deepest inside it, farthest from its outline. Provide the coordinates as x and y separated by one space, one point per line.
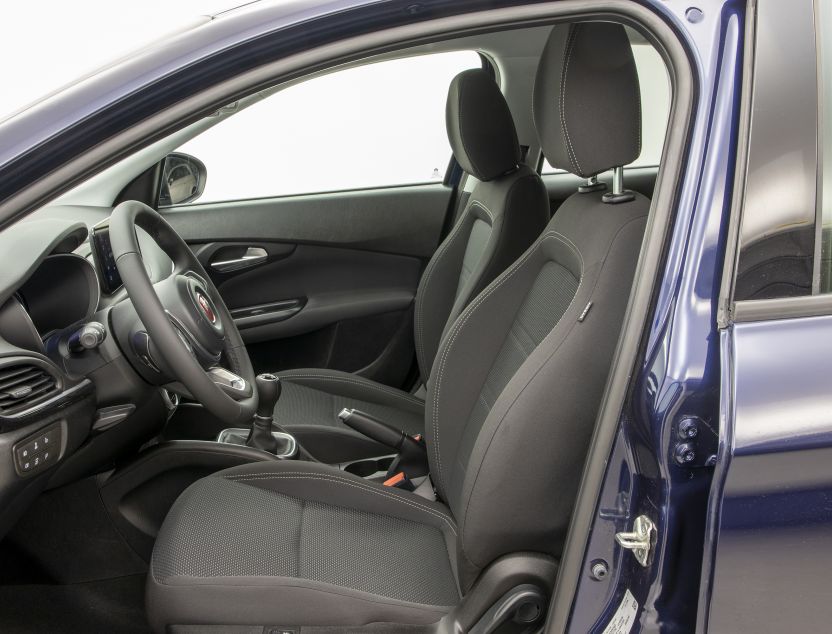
511 406
317 567
506 211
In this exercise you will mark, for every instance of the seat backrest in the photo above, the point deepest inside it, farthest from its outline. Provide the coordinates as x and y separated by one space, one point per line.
506 211
518 378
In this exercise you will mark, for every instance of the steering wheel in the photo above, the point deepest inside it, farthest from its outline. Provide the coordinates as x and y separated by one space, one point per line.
185 321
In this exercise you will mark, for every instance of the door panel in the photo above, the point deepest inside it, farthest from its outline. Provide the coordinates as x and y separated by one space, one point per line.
322 280
316 286
772 499
403 220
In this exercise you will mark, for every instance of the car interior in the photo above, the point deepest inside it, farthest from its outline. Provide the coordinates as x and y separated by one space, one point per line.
339 409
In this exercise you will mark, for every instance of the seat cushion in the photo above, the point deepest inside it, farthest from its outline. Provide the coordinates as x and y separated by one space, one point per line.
299 543
310 402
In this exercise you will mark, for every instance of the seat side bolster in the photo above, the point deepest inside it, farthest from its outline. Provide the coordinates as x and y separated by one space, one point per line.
330 485
353 386
256 601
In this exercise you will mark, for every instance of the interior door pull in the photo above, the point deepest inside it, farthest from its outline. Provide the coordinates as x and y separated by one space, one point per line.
252 257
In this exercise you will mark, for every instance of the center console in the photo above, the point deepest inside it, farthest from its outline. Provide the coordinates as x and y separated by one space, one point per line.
262 434
286 447
138 495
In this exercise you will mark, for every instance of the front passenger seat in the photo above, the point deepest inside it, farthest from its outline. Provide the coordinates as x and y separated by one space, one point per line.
507 210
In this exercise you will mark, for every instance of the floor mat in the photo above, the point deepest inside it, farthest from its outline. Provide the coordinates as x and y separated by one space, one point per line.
111 605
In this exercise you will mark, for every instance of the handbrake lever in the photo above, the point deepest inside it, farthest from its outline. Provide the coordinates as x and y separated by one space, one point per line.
413 456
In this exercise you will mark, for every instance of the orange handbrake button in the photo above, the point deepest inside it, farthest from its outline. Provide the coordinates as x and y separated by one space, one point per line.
394 480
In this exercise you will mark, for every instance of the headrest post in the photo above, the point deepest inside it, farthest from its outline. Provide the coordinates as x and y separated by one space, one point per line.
618 193
592 185
618 180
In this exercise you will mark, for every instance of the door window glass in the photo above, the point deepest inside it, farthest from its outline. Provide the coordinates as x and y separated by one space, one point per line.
377 125
823 24
787 206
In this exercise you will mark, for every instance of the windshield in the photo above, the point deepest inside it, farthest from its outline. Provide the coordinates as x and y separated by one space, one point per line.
56 43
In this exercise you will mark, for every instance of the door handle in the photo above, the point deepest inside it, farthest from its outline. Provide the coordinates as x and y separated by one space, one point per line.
251 316
252 257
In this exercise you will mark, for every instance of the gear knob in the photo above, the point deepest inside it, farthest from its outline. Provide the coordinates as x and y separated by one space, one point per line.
268 390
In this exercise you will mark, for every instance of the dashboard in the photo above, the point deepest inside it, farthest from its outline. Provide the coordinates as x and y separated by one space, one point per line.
70 400
63 290
102 254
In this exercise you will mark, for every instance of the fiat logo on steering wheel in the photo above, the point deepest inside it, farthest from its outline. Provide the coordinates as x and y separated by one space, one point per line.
206 307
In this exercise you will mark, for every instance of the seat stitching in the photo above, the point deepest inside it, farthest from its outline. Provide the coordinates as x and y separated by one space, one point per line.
515 333
638 95
496 240
454 331
333 590
485 208
557 323
288 476
466 315
541 365
367 384
570 45
432 266
297 475
431 269
298 562
463 281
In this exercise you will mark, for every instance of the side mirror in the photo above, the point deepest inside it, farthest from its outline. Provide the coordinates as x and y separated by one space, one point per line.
183 179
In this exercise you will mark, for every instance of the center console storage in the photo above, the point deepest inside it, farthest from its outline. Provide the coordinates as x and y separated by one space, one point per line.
371 468
139 495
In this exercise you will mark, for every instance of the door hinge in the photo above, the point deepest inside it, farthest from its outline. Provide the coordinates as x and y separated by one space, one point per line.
695 443
640 539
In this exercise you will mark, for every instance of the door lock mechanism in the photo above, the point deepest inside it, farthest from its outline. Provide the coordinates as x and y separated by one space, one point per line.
640 539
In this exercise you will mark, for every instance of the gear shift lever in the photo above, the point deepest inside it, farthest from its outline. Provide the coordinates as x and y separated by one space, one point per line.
268 390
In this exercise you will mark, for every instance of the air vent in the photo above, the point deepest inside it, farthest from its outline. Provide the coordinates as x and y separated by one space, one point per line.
24 385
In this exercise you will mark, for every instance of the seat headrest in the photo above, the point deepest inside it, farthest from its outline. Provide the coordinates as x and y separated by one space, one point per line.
480 127
587 103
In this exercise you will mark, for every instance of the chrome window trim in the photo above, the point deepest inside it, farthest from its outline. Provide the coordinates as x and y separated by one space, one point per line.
782 308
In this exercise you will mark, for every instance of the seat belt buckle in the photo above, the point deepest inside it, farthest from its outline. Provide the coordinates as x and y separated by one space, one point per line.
400 481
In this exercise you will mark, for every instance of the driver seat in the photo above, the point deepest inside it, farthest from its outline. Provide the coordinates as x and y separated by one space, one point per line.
510 411
506 211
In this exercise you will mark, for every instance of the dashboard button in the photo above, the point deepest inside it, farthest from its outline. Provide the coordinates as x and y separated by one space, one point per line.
39 451
52 438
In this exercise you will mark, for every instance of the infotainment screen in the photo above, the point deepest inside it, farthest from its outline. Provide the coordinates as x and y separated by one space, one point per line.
105 263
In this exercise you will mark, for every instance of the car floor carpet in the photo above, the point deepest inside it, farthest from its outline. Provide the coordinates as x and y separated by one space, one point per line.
110 605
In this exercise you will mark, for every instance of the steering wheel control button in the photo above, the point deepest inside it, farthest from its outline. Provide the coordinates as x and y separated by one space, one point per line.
38 451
